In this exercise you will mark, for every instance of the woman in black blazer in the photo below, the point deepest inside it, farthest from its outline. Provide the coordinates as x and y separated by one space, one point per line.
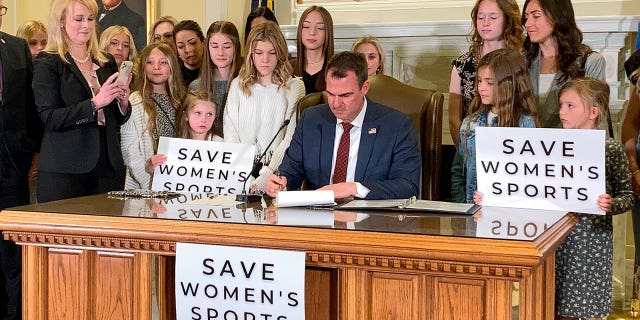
81 106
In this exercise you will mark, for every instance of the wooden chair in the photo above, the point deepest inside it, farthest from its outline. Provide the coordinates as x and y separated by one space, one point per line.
424 107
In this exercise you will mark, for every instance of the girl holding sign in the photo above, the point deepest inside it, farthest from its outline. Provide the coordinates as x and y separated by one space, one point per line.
195 121
503 98
262 98
584 260
158 92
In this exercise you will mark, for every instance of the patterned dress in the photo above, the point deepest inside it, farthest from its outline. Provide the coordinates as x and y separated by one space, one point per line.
466 67
584 260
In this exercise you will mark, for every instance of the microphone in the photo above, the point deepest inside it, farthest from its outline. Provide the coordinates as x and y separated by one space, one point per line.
255 169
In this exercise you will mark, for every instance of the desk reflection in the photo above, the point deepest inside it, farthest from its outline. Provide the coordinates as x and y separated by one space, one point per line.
490 222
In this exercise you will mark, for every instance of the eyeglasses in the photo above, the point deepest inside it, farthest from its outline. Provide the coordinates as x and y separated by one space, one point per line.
3 10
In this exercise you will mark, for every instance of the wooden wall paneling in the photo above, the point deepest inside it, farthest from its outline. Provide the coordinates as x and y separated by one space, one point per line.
321 293
34 282
142 286
113 285
68 280
396 296
449 292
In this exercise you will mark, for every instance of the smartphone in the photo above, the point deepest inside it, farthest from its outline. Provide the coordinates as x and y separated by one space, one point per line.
125 71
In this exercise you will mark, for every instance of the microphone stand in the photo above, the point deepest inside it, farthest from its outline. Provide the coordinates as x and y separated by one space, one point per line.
244 196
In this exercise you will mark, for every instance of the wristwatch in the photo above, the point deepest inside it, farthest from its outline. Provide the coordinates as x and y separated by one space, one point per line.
94 108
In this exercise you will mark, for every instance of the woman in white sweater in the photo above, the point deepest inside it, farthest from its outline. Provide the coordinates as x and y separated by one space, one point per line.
159 91
261 98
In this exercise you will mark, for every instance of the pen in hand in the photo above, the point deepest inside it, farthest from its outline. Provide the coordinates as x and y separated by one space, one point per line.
282 186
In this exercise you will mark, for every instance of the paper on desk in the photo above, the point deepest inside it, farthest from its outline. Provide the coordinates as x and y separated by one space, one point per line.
305 198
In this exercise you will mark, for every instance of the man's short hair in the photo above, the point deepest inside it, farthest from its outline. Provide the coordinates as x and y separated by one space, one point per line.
345 61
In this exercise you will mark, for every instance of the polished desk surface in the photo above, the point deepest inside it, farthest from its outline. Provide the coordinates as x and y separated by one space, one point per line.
489 222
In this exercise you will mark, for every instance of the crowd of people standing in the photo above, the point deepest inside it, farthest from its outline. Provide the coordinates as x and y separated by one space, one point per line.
94 132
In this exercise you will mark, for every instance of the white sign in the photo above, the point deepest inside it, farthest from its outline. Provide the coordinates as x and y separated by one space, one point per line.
202 166
222 282
552 169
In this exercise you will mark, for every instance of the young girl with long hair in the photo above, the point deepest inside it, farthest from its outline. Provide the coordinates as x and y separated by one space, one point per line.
221 64
262 98
584 260
159 90
495 25
196 121
314 41
503 98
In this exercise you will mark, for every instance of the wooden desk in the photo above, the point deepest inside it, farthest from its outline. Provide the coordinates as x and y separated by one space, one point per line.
91 258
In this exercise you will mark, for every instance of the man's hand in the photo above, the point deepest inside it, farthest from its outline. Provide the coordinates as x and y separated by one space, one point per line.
275 184
342 190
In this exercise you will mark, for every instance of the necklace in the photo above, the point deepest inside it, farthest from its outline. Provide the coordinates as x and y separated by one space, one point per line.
80 61
315 62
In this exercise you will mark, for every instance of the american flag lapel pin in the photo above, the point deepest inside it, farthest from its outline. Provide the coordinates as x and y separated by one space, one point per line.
373 130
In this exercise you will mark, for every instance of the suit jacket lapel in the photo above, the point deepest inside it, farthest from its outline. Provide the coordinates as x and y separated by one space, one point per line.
328 135
368 135
76 71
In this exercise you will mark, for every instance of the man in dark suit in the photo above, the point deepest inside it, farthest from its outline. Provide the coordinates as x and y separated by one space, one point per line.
381 157
116 12
20 135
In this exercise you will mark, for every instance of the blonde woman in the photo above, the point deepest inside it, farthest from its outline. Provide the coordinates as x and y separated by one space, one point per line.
81 106
162 31
118 41
370 47
262 98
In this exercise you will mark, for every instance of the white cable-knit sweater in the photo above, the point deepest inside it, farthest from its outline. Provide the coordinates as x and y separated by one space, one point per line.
136 145
255 119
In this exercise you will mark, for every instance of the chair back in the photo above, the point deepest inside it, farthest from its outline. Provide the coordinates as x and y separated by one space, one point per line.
424 107
310 100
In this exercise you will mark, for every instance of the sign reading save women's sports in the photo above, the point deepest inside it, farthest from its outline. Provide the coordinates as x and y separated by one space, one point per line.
202 166
555 169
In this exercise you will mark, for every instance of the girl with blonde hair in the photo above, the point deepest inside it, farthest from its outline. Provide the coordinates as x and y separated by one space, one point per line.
118 41
262 98
36 35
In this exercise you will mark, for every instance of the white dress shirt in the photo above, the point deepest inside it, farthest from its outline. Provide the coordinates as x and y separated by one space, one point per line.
354 146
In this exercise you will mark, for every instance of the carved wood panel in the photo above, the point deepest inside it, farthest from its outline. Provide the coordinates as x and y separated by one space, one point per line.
447 294
396 296
113 283
68 283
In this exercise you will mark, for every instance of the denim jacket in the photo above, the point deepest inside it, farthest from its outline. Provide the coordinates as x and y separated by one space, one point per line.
467 147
